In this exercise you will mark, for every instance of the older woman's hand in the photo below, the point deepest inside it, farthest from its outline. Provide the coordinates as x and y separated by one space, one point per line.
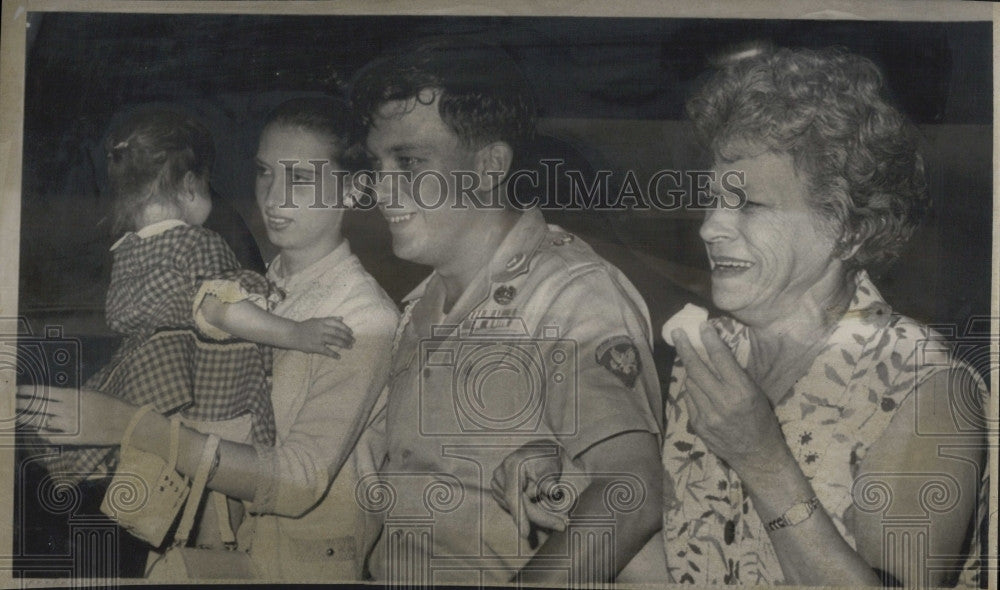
78 417
728 411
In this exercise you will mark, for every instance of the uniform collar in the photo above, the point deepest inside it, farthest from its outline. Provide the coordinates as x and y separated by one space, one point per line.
419 290
153 229
511 259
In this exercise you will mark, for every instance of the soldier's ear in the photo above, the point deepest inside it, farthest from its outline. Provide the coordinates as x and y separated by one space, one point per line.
493 164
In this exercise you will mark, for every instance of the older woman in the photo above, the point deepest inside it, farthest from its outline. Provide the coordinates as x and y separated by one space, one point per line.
792 445
794 451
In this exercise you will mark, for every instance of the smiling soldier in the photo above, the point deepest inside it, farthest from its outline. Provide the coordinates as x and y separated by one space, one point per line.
520 333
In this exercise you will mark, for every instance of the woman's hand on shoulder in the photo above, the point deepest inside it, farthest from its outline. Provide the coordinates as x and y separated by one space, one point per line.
728 411
80 417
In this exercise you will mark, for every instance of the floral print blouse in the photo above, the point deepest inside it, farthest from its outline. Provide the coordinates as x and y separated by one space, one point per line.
871 363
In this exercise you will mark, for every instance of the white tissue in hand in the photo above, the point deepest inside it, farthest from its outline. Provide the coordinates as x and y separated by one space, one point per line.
687 319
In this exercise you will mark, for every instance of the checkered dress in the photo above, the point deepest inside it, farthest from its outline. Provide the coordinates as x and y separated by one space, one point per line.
164 360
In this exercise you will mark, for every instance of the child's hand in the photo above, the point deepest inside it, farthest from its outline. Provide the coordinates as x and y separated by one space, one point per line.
317 335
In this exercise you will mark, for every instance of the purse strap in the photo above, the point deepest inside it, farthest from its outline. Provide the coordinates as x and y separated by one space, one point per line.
197 488
132 423
222 514
175 428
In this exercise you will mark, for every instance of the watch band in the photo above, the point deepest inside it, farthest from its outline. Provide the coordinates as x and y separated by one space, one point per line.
797 513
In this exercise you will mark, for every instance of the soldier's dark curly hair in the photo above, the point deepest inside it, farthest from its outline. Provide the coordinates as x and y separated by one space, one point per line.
829 110
481 94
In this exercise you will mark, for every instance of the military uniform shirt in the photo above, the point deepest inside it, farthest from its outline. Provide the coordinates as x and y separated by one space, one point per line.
549 342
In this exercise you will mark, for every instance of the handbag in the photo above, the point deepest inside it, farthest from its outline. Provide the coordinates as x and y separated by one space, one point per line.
146 492
180 563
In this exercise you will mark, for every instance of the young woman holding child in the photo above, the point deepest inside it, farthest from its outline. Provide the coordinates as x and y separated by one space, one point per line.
299 491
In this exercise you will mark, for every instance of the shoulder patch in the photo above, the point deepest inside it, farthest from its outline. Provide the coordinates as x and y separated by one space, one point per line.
620 356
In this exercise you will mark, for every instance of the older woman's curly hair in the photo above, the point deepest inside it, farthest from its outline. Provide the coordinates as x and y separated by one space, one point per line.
828 110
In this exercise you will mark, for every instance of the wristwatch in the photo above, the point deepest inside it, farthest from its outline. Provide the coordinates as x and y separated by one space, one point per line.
799 512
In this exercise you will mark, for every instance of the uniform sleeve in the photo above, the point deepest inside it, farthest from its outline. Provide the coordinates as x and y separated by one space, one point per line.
340 398
613 382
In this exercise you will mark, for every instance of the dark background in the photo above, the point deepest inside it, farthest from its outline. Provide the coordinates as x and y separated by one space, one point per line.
611 95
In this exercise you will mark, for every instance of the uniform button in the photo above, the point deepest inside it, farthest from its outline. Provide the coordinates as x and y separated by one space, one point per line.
329 551
515 260
406 454
427 372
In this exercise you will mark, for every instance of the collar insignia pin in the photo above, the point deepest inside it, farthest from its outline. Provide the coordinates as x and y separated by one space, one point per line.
504 294
514 261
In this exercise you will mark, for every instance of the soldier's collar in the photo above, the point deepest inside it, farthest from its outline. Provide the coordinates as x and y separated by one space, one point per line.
514 255
419 290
